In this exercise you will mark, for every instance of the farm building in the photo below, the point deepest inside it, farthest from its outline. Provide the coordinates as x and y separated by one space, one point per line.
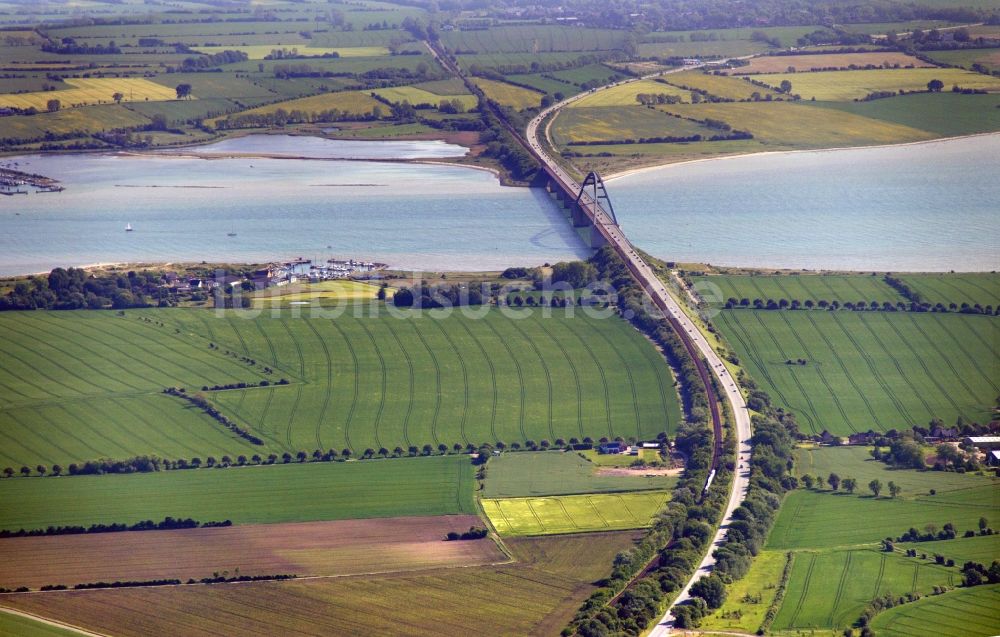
613 447
983 443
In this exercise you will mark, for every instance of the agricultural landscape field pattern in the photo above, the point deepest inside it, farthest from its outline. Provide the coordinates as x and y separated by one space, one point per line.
81 386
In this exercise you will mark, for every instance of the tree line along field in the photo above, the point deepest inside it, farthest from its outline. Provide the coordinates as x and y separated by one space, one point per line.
537 595
558 473
84 385
848 85
246 495
573 513
532 39
872 370
809 63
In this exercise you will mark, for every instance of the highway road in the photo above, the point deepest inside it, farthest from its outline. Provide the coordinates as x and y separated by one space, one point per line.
662 297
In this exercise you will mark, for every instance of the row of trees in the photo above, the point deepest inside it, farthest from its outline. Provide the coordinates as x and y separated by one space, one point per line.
733 303
850 484
202 403
75 288
167 524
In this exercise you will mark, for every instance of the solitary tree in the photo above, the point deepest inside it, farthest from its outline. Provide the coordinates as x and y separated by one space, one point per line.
834 481
935 86
25 471
183 90
808 480
785 86
41 469
876 487
850 484
118 97
894 489
983 523
53 105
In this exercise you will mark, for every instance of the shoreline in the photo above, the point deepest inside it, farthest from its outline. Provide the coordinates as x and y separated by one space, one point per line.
833 149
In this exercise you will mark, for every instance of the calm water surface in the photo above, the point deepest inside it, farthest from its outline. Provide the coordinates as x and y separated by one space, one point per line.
923 207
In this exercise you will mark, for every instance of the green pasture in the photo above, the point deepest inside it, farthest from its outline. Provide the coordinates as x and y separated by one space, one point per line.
625 94
982 288
815 288
984 549
989 58
574 513
946 114
830 589
260 51
544 84
86 119
718 85
521 62
743 611
16 626
966 612
414 95
558 473
532 38
506 94
83 385
246 495
848 85
610 123
869 370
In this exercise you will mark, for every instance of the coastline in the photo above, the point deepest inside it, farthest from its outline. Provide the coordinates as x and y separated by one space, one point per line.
635 171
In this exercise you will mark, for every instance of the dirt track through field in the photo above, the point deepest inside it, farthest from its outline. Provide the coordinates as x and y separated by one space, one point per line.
343 547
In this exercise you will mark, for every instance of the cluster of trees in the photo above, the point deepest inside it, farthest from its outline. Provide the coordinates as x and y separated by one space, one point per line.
281 117
663 559
649 99
919 304
263 383
505 149
69 46
974 573
209 61
427 296
474 533
859 306
168 523
932 533
885 601
200 402
75 288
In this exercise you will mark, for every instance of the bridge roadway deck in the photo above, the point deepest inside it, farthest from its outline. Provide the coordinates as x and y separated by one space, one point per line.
701 351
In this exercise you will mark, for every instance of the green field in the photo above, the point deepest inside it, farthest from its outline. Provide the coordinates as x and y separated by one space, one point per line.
983 289
558 473
945 114
573 513
532 38
246 495
84 385
625 94
968 612
608 123
743 611
824 519
848 85
869 370
356 103
415 96
982 548
842 288
17 626
87 119
989 58
830 589
717 85
260 51
509 95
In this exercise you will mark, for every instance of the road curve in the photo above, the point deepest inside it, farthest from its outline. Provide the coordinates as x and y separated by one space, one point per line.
662 297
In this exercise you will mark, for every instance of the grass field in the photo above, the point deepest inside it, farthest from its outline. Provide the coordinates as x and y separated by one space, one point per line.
608 123
337 548
92 91
557 473
990 58
533 39
573 513
536 596
830 589
718 85
872 370
788 125
88 119
969 612
822 519
518 62
414 95
743 611
983 289
224 85
842 288
354 102
246 495
848 85
260 51
319 293
509 95
805 63
624 95
16 626
939 113
983 549
84 385
453 86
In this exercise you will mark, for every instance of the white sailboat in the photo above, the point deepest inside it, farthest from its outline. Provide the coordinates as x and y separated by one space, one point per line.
128 227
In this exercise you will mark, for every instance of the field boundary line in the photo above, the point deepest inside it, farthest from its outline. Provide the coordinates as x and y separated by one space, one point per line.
881 573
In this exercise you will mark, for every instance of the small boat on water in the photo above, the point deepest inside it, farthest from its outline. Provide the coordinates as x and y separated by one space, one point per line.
128 227
230 234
